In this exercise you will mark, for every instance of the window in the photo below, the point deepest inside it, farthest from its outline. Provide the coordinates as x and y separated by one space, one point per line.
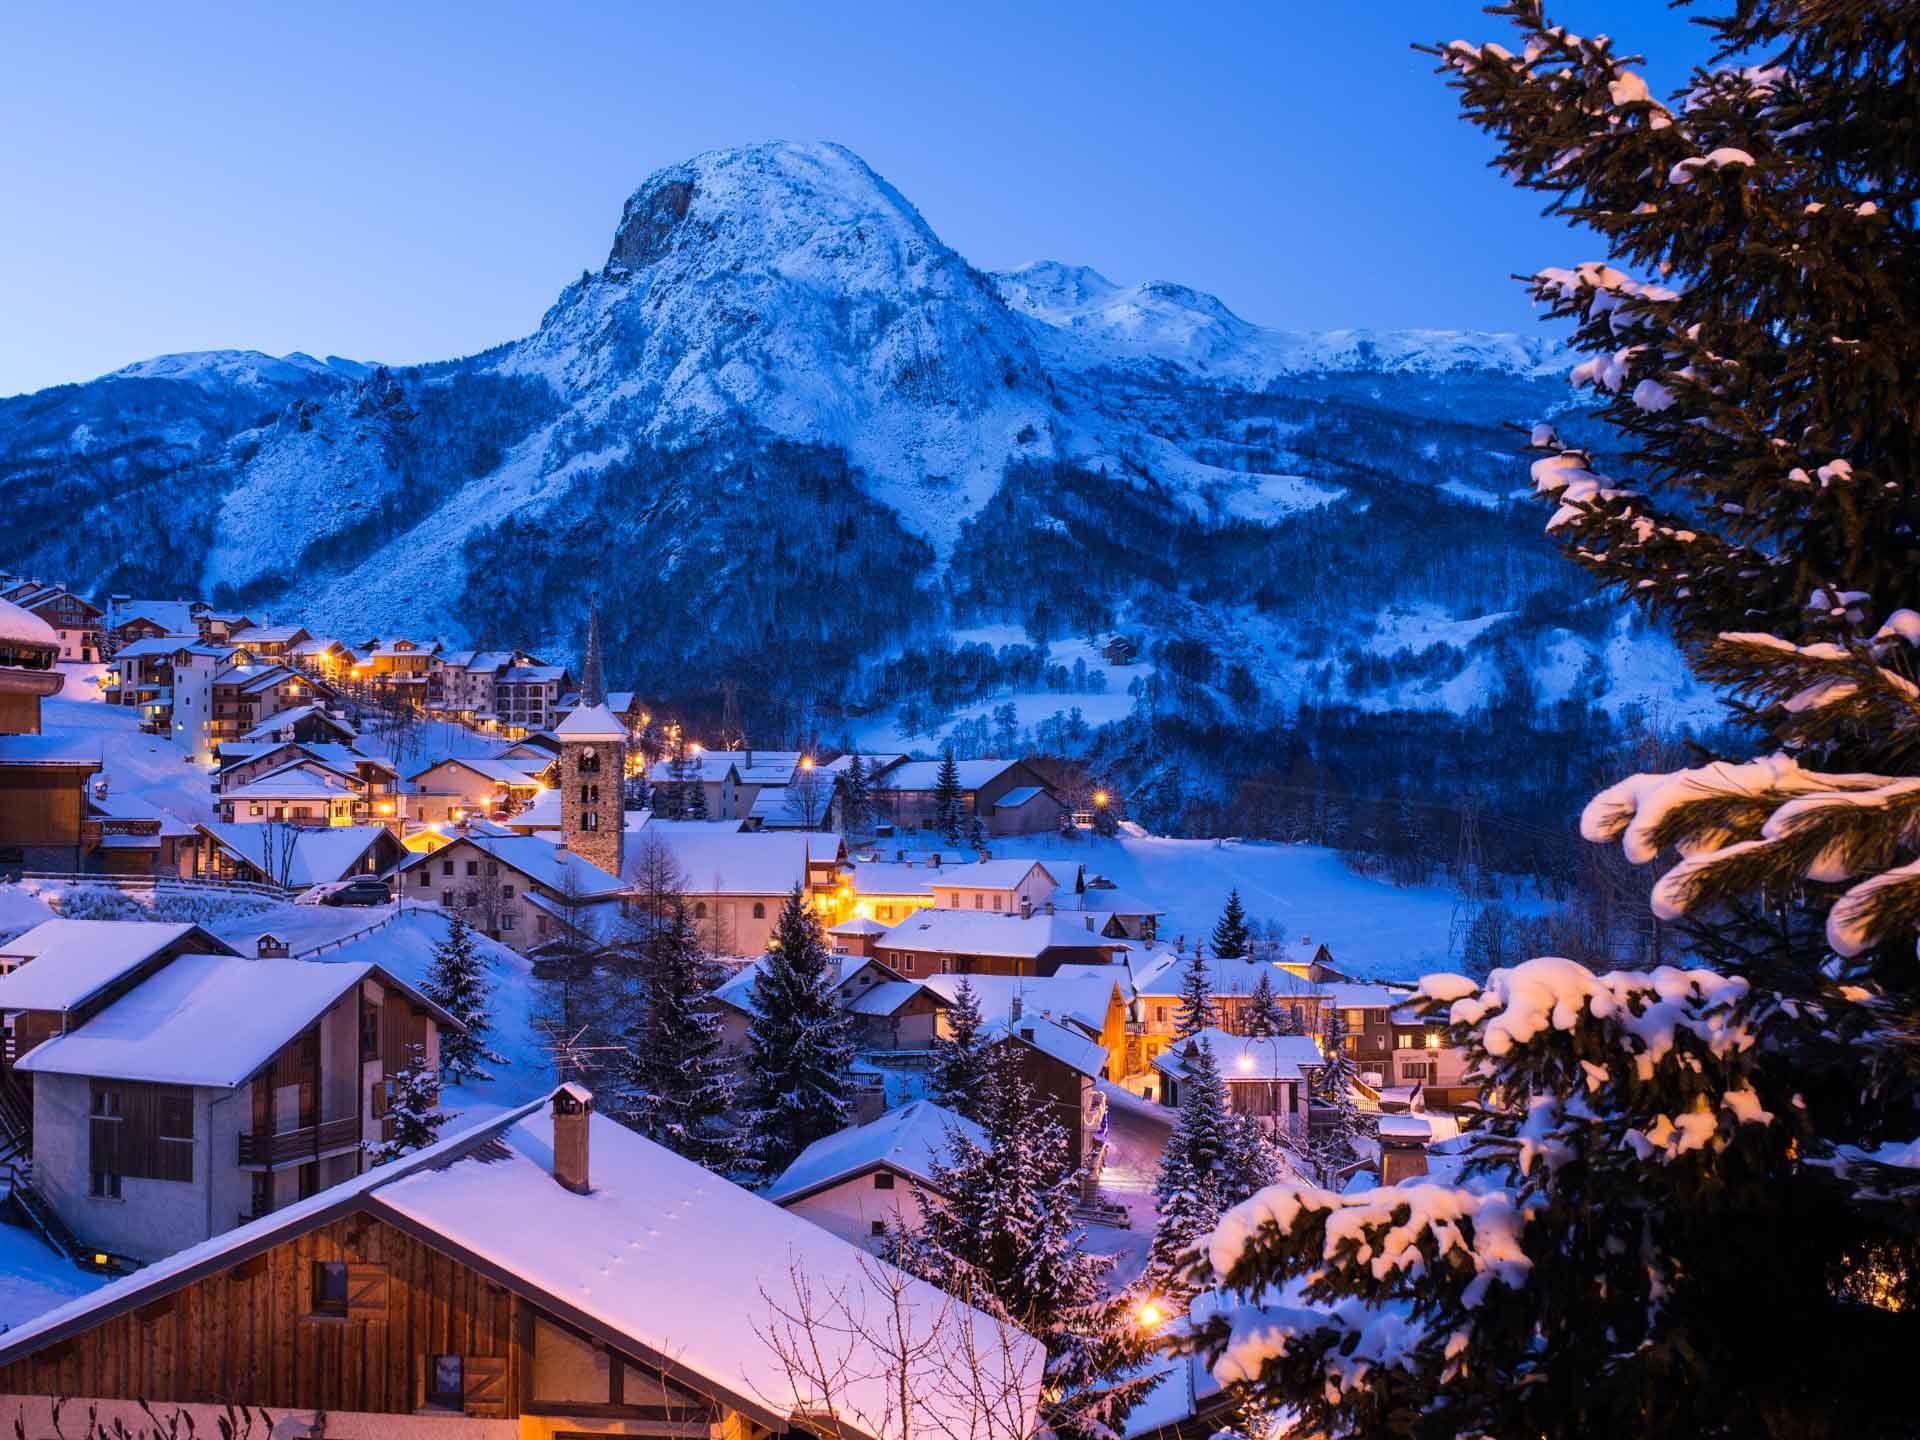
507 920
506 892
253 809
447 1382
906 964
699 909
979 901
330 1288
1433 1040
173 1135
996 902
568 1368
759 910
879 1227
261 1202
369 1032
473 867
1356 1019
590 820
883 1180
589 762
423 877
446 867
1416 1070
105 1133
493 867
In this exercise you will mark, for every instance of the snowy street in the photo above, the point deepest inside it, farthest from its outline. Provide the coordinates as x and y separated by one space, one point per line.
1136 1134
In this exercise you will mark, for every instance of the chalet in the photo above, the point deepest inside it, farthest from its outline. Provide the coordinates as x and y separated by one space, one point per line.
129 619
526 696
1065 1069
296 857
302 792
863 1181
218 627
397 667
124 835
311 723
323 656
897 1016
714 771
142 679
271 642
1012 886
1269 1077
520 890
470 1282
735 881
190 708
1120 650
856 937
1123 915
460 786
43 778
158 1122
891 890
371 779
733 1000
1424 1059
78 624
460 683
964 942
1008 797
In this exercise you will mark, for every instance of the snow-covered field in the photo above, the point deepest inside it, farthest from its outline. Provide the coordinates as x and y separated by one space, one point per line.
1372 928
147 766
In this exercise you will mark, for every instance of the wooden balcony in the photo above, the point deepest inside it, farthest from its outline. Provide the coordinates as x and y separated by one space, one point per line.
297 1147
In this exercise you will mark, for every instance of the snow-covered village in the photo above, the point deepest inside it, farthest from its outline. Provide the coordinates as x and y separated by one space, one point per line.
861 838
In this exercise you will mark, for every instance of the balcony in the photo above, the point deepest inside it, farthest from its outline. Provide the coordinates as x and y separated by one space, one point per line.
297 1147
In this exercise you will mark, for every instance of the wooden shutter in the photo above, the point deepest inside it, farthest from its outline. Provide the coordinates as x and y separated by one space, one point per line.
367 1292
137 1132
486 1384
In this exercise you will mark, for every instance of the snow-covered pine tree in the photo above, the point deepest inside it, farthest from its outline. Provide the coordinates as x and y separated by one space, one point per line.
1190 1190
1649 1134
800 1043
1196 997
696 793
1232 936
949 808
976 833
1334 1081
856 798
961 1057
670 797
413 1105
1264 1017
456 980
998 1231
677 1086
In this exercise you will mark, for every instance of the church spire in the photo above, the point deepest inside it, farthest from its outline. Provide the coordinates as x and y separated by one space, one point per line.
593 688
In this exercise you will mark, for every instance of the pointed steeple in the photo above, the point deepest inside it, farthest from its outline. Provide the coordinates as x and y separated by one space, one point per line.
593 688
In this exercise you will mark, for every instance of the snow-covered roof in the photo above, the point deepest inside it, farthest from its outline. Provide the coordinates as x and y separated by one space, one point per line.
986 932
858 925
1350 995
152 645
1247 1057
990 875
737 989
60 751
907 1141
543 812
1159 972
64 962
1084 995
271 727
290 782
709 767
497 771
271 635
925 774
538 859
869 764
885 998
719 858
531 674
132 807
1069 1046
320 852
178 1027
670 1255
591 722
173 616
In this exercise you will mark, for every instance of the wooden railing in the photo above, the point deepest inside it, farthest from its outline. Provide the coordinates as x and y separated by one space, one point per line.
298 1146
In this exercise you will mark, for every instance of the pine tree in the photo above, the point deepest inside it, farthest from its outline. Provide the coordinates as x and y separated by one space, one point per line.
1196 997
1649 1134
696 793
997 1230
801 1044
1190 1190
1106 819
413 1106
960 1058
1334 1082
457 982
1232 936
677 1086
1265 1018
856 798
948 806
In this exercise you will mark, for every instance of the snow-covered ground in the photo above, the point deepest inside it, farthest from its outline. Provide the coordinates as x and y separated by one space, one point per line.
1372 928
33 1280
148 766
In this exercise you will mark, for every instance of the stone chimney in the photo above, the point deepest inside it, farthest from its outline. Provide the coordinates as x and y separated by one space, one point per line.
1026 907
935 861
572 1117
985 856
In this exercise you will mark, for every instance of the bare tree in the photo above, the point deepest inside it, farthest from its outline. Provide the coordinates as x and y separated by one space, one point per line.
807 794
882 1354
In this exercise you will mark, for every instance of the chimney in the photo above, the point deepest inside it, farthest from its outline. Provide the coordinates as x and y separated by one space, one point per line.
572 1115
1026 907
935 862
1014 1009
985 856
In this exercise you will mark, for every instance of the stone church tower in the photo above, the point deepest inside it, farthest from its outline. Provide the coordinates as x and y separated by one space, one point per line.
593 769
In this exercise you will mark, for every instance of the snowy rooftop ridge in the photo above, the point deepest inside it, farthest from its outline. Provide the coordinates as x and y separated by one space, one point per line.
908 1140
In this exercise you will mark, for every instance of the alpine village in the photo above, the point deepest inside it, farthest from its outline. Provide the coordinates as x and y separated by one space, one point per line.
967 987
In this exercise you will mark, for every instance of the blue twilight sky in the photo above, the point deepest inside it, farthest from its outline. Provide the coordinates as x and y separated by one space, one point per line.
413 182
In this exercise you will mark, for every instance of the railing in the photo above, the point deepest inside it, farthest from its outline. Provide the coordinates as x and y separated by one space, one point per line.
290 1146
159 882
347 939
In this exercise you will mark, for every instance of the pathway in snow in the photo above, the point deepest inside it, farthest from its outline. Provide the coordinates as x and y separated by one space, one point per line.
1137 1133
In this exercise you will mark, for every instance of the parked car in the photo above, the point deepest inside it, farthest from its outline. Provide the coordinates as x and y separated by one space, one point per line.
362 890
317 894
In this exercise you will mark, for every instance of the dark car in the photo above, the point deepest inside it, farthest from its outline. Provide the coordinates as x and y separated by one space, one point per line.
365 890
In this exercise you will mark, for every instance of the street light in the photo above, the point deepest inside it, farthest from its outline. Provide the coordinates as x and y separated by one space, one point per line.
1150 1314
1100 797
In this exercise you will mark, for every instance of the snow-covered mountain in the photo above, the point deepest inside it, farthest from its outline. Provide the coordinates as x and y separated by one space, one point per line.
785 431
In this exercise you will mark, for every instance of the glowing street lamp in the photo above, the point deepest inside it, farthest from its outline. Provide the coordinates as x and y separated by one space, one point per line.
1100 797
1151 1314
